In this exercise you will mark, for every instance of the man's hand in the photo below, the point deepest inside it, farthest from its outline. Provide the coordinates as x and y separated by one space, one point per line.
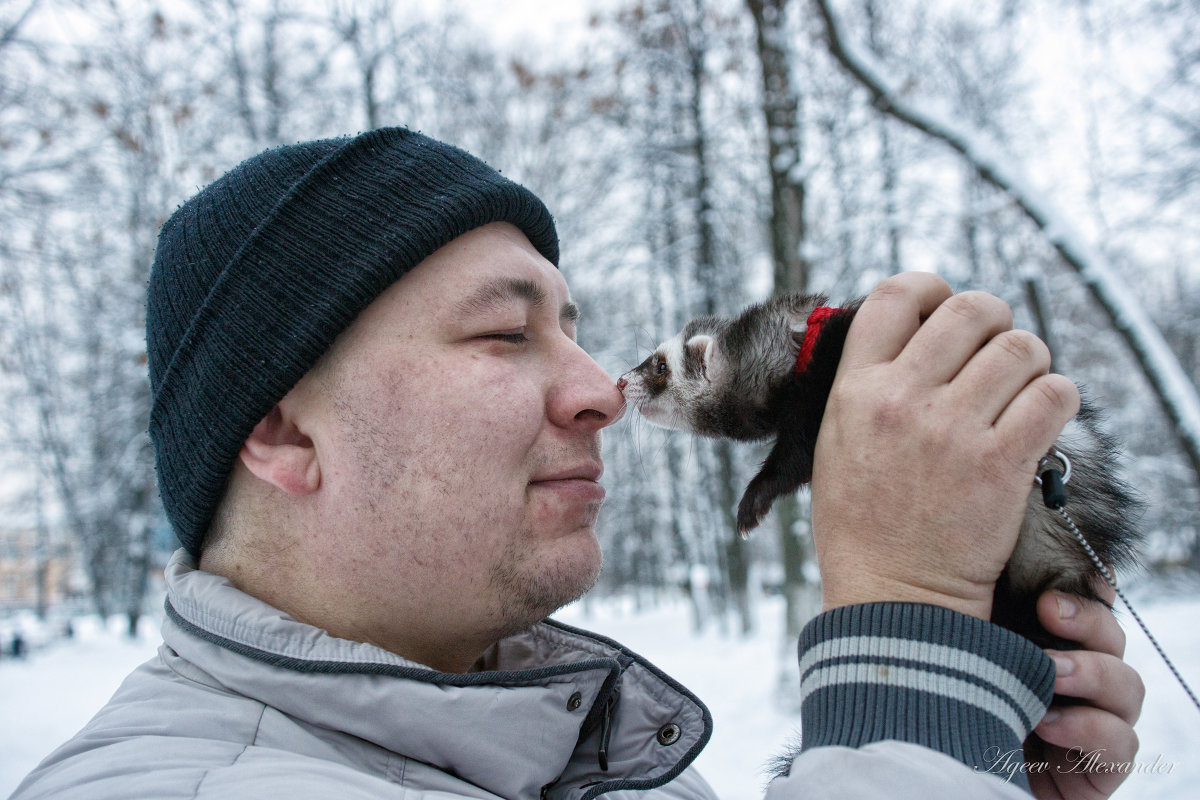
926 455
1112 694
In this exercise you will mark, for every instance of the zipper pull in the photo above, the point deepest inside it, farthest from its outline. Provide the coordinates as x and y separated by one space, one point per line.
606 730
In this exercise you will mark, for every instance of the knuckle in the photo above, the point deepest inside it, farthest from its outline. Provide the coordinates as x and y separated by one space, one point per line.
1059 393
1101 669
1010 459
906 283
1138 693
1118 637
1024 347
1116 739
1096 727
891 287
1004 462
1118 683
1124 745
888 415
980 307
891 412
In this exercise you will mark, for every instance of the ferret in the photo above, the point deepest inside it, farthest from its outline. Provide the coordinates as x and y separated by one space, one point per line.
767 373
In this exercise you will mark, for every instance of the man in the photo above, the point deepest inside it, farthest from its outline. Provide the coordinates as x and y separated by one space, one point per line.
379 444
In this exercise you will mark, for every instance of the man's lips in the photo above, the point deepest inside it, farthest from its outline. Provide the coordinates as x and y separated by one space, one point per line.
580 481
590 471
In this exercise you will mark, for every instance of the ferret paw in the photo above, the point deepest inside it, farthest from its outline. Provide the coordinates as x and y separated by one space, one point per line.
751 510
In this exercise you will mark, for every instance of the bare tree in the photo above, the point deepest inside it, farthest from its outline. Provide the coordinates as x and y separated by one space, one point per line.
75 289
1175 392
781 108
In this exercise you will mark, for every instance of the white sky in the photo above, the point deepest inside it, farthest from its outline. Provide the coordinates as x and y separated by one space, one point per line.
524 21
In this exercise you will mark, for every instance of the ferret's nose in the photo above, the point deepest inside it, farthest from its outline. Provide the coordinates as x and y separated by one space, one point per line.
621 384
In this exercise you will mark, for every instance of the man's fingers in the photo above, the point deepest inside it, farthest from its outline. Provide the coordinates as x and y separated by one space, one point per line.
1088 729
1090 751
953 336
1033 420
890 316
1000 371
1105 681
1090 624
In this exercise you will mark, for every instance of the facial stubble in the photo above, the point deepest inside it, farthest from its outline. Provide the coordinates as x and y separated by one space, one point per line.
530 589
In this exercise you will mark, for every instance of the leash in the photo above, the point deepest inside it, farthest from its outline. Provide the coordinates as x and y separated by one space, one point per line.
1054 494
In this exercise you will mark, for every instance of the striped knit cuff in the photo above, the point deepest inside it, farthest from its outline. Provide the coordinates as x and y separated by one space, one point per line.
921 674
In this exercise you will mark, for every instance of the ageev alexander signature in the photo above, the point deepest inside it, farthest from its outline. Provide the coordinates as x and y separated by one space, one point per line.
1013 762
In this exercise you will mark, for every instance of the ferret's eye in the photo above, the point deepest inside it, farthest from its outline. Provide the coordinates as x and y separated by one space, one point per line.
660 367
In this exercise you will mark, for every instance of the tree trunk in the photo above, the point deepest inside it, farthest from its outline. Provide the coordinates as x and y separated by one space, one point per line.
781 113
709 279
887 159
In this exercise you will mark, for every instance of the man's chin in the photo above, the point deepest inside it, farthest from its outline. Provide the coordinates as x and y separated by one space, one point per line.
529 593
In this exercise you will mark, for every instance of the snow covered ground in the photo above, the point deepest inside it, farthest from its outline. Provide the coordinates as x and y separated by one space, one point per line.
48 696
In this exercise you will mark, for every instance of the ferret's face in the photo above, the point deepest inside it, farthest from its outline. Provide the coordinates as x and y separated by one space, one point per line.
668 383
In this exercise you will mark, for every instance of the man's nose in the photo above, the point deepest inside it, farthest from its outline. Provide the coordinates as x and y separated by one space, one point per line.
586 394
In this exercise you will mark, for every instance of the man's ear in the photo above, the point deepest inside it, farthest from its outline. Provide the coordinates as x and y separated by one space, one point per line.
703 349
281 454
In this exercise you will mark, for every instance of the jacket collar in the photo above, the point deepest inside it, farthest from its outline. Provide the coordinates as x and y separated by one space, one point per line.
531 723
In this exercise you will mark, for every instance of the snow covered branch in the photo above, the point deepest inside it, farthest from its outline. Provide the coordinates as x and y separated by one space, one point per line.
1175 391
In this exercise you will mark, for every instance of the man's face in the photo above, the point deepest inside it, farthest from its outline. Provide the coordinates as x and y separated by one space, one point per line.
461 449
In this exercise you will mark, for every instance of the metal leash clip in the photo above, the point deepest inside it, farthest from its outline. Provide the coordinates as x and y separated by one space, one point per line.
1046 463
1052 479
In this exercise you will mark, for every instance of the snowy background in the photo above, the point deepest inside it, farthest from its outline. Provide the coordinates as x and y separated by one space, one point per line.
642 126
45 698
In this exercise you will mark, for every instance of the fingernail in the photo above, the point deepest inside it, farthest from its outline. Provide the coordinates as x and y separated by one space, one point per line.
1063 665
1066 606
1051 716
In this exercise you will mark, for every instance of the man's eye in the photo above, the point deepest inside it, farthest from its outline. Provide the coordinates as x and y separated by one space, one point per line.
514 337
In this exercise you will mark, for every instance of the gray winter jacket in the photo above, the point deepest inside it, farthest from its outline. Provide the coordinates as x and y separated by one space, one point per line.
244 701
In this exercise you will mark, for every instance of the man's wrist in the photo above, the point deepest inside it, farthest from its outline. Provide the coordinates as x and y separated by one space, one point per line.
881 589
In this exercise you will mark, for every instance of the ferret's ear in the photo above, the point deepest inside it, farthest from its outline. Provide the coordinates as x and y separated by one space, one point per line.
702 350
798 324
798 307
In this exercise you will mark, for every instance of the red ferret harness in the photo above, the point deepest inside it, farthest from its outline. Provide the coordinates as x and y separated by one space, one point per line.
816 321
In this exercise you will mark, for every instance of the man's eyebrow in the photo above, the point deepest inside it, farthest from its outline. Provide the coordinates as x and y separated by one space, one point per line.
495 294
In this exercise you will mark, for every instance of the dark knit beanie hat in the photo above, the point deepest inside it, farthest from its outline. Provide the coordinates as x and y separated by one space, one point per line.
256 275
